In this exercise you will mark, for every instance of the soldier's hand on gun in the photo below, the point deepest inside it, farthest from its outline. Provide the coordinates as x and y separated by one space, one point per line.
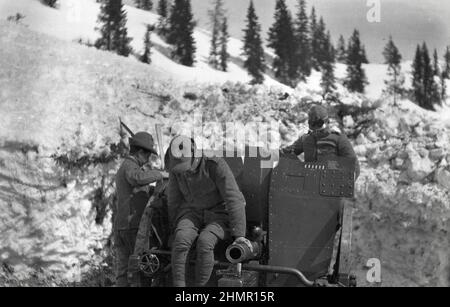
286 150
165 174
242 240
147 167
144 188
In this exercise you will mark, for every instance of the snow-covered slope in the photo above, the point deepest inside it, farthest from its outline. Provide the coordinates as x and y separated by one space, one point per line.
75 20
58 97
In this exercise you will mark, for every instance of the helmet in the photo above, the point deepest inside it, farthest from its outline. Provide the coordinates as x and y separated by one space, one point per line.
143 140
317 116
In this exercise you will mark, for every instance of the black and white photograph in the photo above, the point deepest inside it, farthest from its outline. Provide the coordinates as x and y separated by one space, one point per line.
202 146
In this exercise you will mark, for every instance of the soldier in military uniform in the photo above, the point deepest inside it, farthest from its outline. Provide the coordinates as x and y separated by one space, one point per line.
134 177
322 142
205 204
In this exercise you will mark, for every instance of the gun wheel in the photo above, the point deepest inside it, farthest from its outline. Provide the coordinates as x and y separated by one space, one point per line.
149 264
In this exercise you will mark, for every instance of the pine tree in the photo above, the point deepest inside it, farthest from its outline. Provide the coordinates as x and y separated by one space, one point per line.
282 40
393 58
163 22
50 3
315 43
144 4
163 8
328 82
323 47
113 30
428 79
364 58
446 69
181 32
425 87
224 37
443 87
146 56
253 49
356 79
436 68
417 82
341 52
303 42
216 16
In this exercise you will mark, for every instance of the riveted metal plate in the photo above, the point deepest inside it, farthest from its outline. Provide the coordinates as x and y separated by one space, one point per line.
303 220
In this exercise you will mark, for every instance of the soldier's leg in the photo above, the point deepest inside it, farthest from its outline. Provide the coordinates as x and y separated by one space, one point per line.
185 235
207 241
124 246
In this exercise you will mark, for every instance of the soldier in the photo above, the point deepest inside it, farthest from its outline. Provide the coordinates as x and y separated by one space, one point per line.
204 203
134 176
322 141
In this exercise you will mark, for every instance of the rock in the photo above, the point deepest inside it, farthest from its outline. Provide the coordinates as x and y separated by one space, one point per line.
361 139
442 177
372 136
215 99
422 152
403 155
360 150
418 168
443 140
437 154
348 121
419 131
398 163
430 146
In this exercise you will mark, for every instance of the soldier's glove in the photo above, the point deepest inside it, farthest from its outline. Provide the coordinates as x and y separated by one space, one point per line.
165 175
287 150
242 240
144 188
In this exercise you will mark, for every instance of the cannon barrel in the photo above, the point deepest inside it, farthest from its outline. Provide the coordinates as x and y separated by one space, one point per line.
238 253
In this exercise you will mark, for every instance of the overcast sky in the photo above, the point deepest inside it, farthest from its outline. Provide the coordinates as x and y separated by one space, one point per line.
409 21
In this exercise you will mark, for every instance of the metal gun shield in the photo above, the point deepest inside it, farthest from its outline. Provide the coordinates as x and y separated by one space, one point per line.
304 215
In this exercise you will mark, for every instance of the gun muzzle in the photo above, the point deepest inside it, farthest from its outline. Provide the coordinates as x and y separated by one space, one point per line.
238 253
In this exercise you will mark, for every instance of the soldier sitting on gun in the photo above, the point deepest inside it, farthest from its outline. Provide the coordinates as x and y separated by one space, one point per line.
205 204
134 176
322 142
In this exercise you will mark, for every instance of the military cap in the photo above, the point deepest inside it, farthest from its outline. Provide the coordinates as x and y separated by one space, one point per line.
145 141
181 153
318 113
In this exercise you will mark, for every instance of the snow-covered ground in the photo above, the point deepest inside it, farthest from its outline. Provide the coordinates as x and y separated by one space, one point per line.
77 19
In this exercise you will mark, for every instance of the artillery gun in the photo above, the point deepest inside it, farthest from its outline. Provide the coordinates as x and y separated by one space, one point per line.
296 221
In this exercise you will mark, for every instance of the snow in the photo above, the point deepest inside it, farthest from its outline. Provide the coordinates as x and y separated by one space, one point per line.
77 19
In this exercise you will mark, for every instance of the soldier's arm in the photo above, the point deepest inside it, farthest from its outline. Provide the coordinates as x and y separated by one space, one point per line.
234 200
297 147
345 149
174 199
139 177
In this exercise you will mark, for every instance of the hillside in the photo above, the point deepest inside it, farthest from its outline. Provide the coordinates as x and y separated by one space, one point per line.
77 20
59 100
408 21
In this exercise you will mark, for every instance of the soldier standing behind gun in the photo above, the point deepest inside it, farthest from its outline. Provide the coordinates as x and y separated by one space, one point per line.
134 176
322 142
